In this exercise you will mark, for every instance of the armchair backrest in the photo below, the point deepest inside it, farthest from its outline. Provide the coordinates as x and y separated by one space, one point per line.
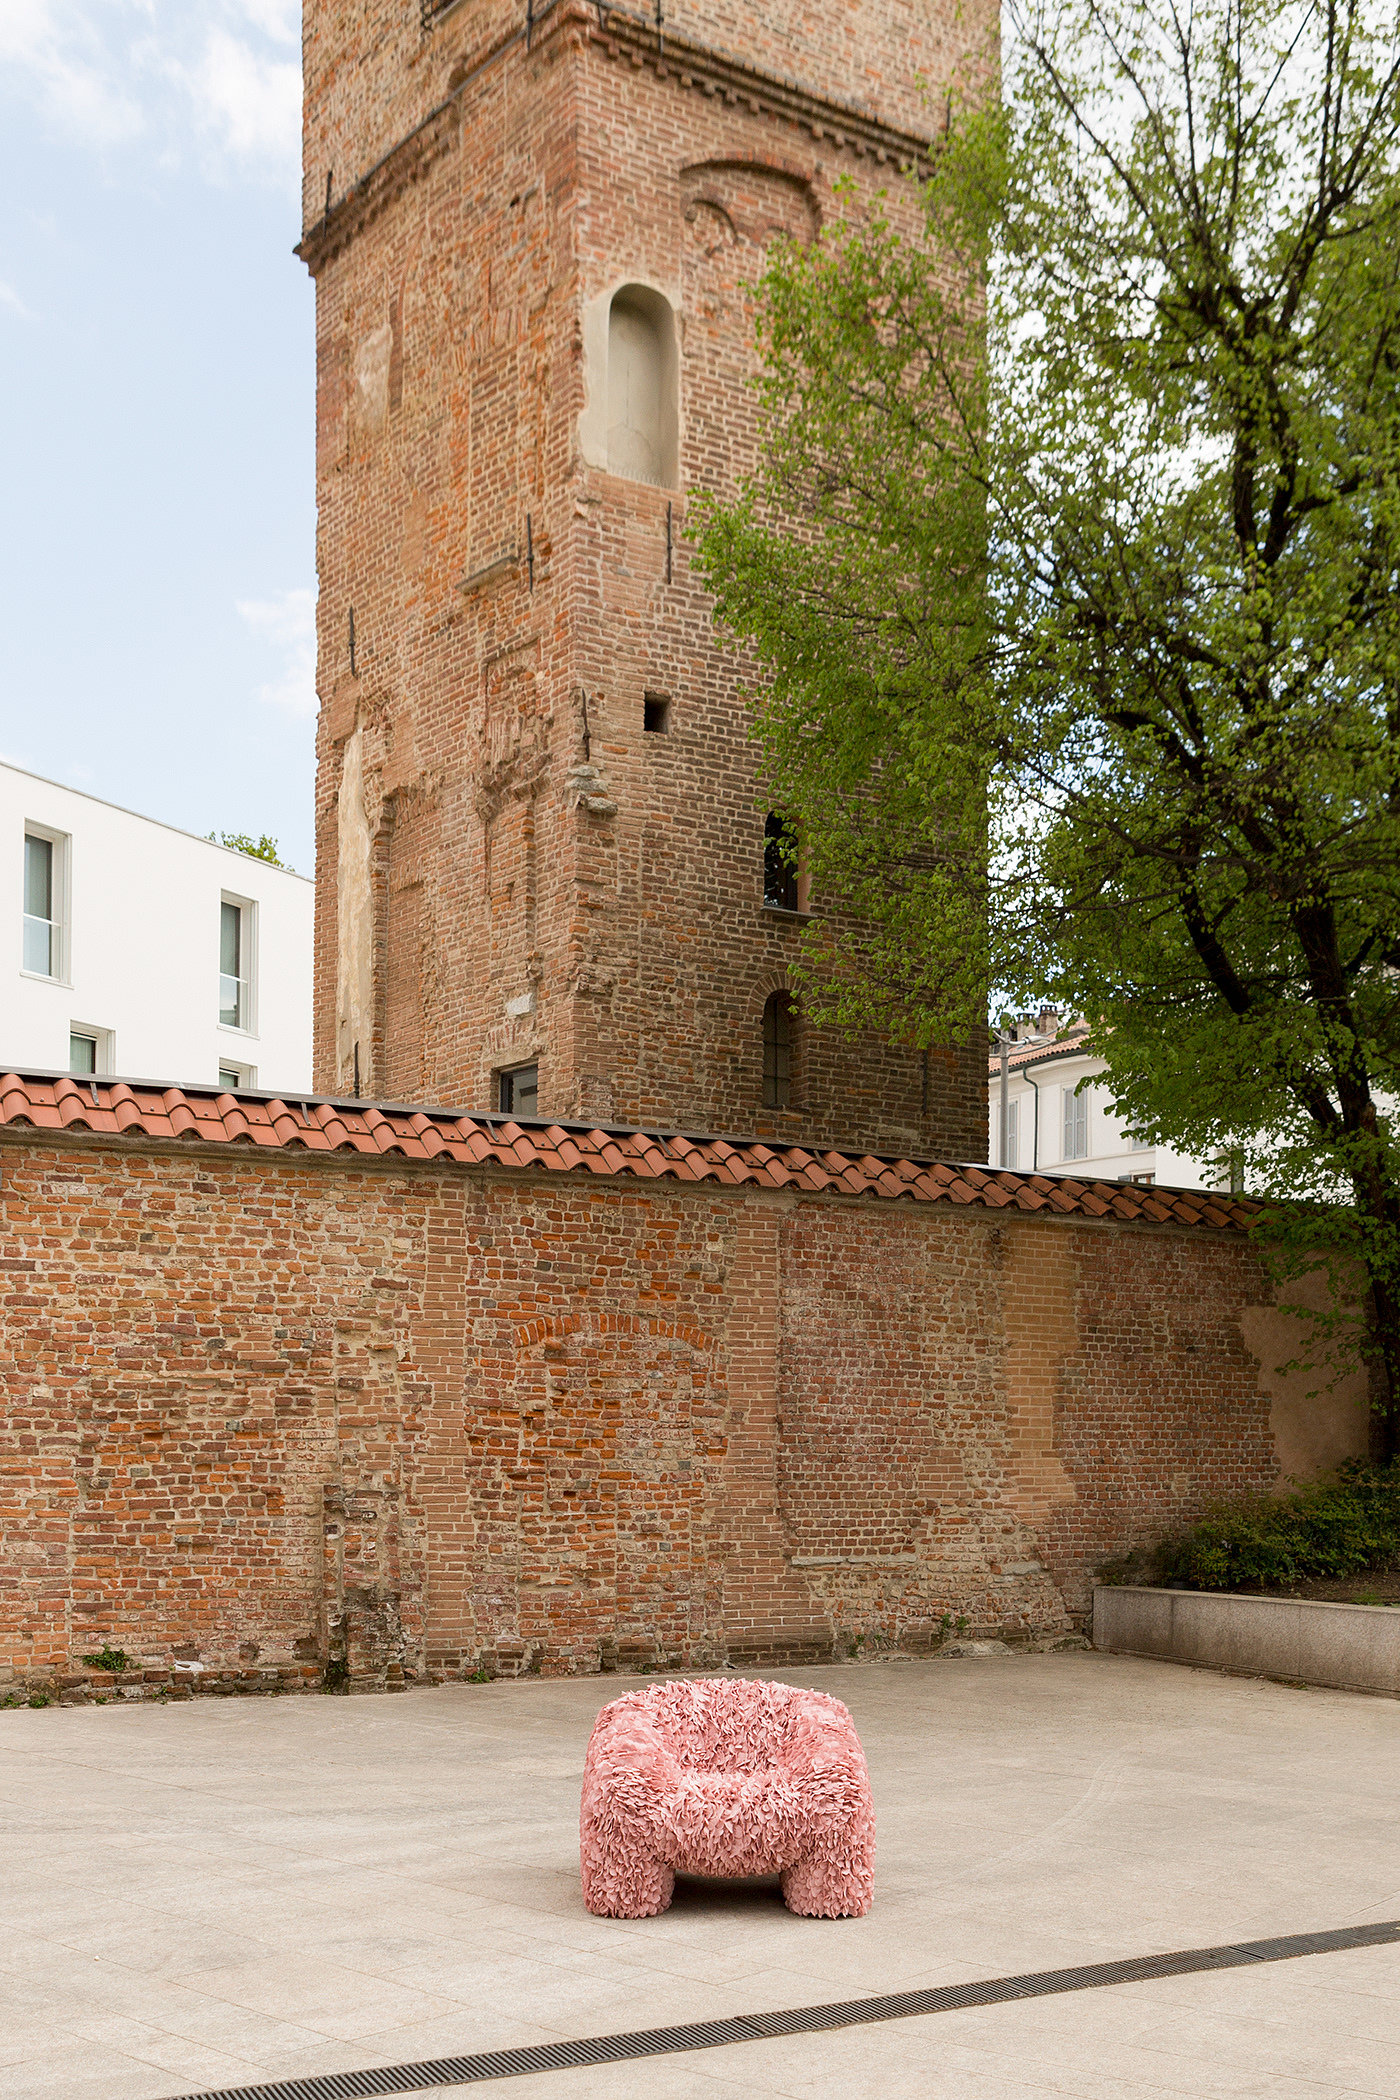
732 1724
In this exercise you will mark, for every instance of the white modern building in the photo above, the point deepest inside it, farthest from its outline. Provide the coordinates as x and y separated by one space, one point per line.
1058 1125
133 949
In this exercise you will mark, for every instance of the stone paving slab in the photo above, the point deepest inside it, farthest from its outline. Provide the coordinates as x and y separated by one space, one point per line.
213 1894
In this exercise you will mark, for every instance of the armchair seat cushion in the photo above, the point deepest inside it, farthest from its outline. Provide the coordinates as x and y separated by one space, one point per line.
726 1777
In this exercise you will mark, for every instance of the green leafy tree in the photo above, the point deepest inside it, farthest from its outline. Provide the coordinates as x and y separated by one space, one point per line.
262 848
1072 571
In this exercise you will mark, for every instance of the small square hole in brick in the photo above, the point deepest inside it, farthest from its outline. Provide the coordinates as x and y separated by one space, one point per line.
656 713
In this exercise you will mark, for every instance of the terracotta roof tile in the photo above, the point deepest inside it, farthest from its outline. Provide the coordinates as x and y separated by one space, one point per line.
134 1111
1071 1044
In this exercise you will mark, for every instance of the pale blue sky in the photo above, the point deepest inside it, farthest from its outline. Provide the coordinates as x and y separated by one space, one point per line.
157 558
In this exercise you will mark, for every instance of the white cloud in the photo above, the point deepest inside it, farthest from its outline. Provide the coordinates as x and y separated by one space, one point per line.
220 82
249 103
279 19
11 298
287 624
58 46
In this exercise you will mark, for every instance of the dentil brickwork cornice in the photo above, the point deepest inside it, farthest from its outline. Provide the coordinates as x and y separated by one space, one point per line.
625 39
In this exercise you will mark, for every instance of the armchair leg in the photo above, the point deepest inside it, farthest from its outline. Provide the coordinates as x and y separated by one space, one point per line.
622 1879
840 1887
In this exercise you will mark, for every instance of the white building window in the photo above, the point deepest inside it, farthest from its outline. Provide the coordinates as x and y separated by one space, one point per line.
232 1077
1011 1146
89 1050
236 963
642 408
45 872
1076 1145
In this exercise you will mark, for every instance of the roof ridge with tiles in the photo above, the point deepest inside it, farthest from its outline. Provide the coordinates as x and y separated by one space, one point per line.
129 1111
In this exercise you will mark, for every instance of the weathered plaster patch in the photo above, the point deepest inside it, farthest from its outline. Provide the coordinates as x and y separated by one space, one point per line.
355 963
372 360
1039 1281
1320 1413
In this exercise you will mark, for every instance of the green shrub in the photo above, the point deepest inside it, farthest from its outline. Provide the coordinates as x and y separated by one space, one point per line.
1329 1527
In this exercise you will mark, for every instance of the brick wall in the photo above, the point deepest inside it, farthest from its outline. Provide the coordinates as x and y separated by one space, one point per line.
496 830
270 1412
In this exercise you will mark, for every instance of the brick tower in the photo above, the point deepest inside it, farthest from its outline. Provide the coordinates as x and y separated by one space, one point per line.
542 872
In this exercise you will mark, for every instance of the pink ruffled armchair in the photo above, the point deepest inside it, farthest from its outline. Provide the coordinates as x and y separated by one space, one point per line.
727 1777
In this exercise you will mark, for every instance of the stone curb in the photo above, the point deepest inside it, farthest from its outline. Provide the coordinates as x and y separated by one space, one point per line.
1297 1640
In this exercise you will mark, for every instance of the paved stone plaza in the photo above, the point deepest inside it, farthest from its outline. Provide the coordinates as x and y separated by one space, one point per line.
226 1892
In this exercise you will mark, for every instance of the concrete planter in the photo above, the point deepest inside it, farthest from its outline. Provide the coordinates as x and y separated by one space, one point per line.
1353 1646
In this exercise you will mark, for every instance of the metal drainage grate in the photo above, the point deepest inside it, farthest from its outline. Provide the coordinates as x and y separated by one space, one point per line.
803 2019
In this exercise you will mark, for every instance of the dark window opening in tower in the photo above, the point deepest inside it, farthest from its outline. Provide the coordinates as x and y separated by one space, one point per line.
777 1051
656 713
779 863
519 1091
642 409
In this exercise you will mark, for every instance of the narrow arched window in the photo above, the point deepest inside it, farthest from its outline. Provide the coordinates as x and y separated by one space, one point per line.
642 412
779 863
777 1051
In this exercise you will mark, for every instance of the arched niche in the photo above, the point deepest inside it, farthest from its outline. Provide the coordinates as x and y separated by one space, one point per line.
642 415
631 423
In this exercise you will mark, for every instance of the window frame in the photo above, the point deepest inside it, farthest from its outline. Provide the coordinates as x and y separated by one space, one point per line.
60 901
103 1040
245 1075
793 880
1074 1122
779 1068
506 1079
247 1024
